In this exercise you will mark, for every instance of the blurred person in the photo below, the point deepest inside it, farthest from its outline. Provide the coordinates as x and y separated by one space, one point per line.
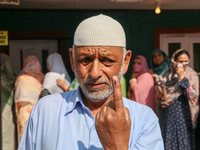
32 67
178 95
95 116
73 86
7 101
123 86
197 132
159 62
57 70
27 91
141 87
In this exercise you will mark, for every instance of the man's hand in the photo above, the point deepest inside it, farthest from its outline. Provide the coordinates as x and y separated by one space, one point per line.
113 125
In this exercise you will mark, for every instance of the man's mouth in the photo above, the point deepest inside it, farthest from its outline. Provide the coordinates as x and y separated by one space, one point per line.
96 85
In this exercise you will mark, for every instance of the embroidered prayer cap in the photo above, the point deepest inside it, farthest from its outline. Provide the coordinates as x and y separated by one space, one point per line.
100 30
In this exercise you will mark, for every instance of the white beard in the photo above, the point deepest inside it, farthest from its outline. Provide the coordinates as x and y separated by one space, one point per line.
100 94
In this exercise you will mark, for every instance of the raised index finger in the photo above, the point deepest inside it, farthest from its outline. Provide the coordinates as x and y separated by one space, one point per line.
118 100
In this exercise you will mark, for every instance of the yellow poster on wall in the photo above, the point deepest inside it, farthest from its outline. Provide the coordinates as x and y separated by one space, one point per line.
3 37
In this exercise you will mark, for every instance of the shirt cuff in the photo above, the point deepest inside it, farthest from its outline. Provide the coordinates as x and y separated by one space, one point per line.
184 83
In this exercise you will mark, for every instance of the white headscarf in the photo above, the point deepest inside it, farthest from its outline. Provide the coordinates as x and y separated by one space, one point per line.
56 64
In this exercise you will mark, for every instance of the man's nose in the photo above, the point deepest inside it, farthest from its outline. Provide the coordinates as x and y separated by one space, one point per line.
95 71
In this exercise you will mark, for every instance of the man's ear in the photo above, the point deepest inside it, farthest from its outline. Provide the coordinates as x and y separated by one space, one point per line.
71 58
127 61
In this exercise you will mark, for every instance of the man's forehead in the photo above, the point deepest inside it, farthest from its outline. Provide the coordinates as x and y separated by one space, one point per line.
94 49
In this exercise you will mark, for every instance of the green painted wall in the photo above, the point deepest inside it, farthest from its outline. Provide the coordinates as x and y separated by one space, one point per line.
139 25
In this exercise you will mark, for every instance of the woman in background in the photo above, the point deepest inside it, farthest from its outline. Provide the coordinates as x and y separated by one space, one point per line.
159 62
179 100
27 91
142 84
7 101
57 70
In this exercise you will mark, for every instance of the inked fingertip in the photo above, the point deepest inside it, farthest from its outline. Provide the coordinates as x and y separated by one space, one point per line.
114 80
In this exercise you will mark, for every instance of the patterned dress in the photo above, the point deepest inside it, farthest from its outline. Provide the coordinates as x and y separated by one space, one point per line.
176 125
27 90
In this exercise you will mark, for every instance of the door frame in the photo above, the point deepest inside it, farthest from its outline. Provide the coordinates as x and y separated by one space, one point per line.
41 35
159 31
20 49
186 41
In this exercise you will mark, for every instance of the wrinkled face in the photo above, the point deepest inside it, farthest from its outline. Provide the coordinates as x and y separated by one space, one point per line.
183 58
158 59
94 68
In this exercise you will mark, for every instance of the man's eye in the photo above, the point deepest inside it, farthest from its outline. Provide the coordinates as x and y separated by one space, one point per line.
107 61
86 60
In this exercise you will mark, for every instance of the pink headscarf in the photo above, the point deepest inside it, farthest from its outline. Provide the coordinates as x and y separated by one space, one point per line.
143 88
145 67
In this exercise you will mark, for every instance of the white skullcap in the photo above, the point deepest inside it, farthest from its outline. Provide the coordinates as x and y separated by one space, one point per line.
100 30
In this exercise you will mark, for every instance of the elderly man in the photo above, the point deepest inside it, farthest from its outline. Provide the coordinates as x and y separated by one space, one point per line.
95 116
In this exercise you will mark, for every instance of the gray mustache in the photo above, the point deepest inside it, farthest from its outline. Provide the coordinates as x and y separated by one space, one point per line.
91 81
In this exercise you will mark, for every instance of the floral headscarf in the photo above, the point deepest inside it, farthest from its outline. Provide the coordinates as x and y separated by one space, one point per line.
32 67
173 89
